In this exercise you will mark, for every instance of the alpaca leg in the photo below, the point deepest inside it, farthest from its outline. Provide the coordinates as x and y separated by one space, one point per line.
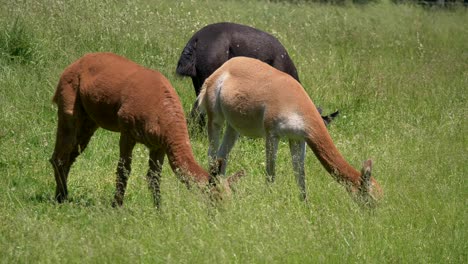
60 160
123 168
195 114
229 140
297 149
197 84
271 147
214 130
154 174
85 131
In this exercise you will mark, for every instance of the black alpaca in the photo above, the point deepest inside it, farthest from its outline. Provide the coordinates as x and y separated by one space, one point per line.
215 44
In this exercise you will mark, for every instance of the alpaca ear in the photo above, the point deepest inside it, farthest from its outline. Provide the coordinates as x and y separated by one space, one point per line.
319 109
216 167
366 174
235 178
327 119
333 115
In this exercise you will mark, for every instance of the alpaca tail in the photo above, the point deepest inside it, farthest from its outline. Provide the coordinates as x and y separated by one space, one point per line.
56 94
201 99
186 64
68 86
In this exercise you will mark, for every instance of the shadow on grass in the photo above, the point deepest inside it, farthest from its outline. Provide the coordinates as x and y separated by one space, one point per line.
48 197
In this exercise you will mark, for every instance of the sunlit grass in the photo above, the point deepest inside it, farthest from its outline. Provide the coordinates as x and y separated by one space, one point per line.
398 75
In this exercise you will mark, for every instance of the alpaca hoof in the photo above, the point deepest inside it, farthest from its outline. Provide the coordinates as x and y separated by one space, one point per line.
117 204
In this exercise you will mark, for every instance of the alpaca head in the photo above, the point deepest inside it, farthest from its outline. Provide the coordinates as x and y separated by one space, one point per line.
369 193
221 187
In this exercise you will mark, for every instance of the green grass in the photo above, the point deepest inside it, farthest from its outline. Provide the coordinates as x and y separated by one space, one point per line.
397 73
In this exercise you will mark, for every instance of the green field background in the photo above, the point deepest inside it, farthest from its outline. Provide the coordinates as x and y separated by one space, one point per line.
397 73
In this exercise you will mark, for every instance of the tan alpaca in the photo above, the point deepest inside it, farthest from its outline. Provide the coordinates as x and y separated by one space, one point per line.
256 100
109 91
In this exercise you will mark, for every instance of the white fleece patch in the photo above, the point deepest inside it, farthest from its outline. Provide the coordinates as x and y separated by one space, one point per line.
218 86
291 125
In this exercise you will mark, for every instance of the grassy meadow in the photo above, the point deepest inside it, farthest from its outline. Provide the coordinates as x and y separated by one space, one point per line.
397 73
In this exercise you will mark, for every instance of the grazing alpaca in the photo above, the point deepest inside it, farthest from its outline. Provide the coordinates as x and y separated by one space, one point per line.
214 44
257 100
109 91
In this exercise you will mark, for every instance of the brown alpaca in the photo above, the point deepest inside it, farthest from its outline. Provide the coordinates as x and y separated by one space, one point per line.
112 92
257 100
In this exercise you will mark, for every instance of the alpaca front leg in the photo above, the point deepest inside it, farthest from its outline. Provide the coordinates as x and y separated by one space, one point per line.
123 168
271 149
297 149
229 140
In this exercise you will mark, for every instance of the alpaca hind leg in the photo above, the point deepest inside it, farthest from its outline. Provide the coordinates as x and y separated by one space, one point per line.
271 149
153 176
197 84
297 149
60 160
214 131
229 140
197 117
195 114
124 167
86 129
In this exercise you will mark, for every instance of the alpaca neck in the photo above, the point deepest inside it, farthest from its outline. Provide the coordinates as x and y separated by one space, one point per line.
331 159
175 139
183 163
